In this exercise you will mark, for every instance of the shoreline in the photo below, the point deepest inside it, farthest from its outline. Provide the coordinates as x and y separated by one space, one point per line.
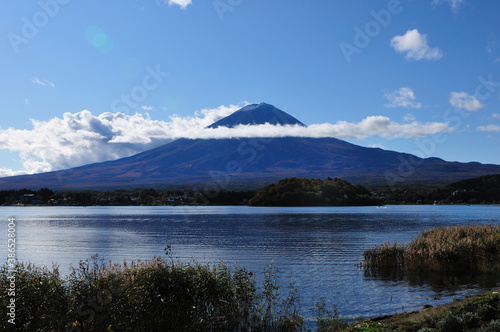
198 205
428 317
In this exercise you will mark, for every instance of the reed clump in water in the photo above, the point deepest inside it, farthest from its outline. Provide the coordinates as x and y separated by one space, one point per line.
457 249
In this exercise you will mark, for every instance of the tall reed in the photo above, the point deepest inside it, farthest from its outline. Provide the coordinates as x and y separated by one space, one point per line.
467 249
158 295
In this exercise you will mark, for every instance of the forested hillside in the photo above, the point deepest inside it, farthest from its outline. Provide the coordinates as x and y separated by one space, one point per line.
313 192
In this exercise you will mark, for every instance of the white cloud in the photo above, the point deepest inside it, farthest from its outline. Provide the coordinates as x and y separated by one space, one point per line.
496 116
492 46
454 4
8 172
379 126
147 108
83 138
409 117
42 82
465 101
415 46
403 97
492 128
182 3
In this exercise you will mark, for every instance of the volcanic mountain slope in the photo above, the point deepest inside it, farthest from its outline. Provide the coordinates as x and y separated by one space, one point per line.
257 114
252 162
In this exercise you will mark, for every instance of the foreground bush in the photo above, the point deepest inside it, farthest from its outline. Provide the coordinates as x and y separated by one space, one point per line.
40 298
158 295
462 249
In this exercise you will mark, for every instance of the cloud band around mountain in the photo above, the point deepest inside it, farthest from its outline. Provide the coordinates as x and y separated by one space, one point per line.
82 138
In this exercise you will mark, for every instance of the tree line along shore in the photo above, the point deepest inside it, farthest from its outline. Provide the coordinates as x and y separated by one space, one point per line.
287 192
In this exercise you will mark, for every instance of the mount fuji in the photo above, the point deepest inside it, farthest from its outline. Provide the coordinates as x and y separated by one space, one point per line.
239 163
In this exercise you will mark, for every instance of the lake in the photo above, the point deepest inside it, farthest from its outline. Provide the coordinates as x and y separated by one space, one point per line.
318 249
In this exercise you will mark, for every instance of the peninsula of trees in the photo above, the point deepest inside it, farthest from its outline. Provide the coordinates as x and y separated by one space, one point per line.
314 192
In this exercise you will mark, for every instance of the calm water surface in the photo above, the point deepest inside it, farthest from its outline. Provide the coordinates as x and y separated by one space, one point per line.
317 249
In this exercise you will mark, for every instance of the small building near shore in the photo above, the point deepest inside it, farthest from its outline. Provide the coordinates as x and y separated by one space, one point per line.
30 199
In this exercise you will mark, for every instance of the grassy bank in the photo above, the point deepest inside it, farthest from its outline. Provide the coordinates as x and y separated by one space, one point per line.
477 313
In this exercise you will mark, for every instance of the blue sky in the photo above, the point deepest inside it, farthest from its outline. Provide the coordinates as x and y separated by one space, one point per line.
87 81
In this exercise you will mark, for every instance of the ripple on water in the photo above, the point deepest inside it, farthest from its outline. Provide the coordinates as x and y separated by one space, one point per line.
317 249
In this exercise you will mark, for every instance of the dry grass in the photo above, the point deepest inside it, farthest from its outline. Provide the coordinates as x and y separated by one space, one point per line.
462 249
158 295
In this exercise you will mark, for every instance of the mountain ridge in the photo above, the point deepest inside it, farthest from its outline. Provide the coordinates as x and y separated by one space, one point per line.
252 162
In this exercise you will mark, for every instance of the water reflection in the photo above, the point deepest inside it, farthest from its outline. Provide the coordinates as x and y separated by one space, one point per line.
440 283
318 249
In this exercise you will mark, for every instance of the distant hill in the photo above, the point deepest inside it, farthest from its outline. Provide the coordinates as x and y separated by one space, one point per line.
483 189
313 192
249 163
